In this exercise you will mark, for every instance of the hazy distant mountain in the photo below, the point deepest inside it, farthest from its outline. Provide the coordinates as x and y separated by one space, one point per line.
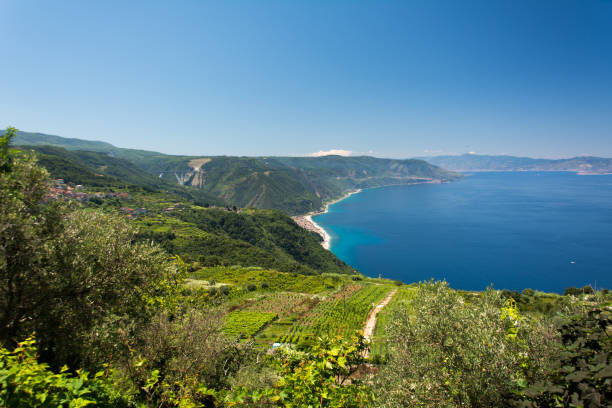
475 162
293 184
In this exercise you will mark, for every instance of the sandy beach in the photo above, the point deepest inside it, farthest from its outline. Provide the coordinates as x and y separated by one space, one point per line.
306 221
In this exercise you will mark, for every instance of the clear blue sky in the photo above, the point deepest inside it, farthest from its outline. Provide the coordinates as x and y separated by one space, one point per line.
392 78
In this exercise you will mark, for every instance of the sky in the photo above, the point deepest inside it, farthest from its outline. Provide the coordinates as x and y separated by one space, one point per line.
385 78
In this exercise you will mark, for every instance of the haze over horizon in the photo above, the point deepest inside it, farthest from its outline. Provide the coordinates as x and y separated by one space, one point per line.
389 79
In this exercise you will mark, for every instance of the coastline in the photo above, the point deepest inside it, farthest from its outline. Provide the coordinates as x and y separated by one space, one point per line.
306 221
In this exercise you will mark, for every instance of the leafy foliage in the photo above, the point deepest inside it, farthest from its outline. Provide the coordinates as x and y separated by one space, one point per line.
24 383
317 378
583 377
447 352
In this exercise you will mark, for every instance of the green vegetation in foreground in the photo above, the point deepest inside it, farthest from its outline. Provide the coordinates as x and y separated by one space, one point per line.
93 315
402 300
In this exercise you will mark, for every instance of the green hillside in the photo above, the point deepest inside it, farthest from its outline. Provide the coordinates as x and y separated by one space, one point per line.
210 236
41 139
200 235
262 238
95 169
295 185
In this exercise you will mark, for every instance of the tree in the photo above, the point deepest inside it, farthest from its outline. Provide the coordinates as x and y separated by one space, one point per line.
447 352
71 275
27 228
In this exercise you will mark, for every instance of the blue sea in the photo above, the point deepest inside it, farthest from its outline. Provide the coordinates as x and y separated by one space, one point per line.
544 231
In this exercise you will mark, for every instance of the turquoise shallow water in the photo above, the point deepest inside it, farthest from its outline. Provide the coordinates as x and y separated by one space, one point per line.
545 231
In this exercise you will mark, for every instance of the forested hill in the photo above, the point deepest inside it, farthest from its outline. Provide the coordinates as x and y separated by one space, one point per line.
199 234
476 162
95 169
295 185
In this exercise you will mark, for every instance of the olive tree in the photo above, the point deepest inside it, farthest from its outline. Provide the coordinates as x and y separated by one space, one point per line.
73 276
447 350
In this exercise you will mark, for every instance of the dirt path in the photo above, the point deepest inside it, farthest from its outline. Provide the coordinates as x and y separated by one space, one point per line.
370 323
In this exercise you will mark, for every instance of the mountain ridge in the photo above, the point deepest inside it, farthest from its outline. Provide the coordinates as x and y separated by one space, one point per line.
296 185
476 162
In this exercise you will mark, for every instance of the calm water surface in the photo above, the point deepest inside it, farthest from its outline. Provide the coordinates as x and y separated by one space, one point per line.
545 231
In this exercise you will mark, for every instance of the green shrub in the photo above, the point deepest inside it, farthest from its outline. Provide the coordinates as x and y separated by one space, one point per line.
446 352
317 378
24 383
583 375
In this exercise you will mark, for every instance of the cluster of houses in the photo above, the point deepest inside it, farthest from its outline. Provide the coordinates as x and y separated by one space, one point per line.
60 190
134 212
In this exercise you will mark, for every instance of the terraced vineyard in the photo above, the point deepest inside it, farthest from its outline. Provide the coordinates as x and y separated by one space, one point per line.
246 324
337 315
401 299
284 304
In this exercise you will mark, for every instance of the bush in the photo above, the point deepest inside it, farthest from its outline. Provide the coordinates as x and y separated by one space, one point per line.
583 375
179 355
585 290
251 287
317 378
446 352
28 383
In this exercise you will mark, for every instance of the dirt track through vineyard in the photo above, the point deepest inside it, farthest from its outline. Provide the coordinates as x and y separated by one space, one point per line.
370 323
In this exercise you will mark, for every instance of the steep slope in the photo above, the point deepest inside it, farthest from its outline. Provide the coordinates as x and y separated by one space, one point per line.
95 169
295 185
212 236
266 238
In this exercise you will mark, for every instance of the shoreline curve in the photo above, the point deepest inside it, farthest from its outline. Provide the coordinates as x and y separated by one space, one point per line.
306 221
